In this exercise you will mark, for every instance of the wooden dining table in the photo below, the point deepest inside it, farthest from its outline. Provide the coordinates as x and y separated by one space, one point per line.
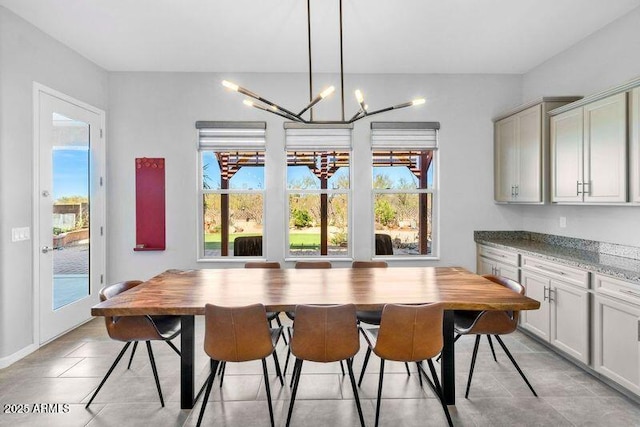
184 293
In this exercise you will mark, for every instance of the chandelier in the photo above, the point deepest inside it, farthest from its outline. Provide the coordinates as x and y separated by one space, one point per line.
271 107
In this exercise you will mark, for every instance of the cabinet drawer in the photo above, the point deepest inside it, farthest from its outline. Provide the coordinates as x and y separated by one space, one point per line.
565 273
617 288
501 255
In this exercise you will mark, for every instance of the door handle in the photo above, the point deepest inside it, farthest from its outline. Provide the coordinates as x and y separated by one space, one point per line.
46 249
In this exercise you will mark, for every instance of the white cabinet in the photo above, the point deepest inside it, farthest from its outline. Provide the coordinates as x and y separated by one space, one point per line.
520 149
498 262
563 317
518 157
634 129
589 152
617 331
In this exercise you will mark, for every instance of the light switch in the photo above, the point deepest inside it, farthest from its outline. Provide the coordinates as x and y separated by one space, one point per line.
20 233
563 222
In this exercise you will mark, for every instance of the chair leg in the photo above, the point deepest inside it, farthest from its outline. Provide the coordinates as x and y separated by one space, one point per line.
379 390
155 371
504 347
406 365
124 349
135 346
364 365
437 389
223 369
268 389
278 372
286 363
280 326
293 375
491 345
296 375
342 368
355 390
212 376
473 363
174 348
419 376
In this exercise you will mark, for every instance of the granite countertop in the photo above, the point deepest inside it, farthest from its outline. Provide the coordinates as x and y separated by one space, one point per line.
610 259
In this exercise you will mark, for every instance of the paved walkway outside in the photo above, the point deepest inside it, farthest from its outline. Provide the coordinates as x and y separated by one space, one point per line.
71 260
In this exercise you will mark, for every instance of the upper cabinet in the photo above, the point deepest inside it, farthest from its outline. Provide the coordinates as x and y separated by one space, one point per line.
635 145
589 152
520 150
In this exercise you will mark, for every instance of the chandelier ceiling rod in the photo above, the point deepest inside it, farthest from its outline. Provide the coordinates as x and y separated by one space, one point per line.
274 108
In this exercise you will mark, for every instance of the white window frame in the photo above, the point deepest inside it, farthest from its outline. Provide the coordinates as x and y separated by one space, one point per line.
232 137
319 138
414 136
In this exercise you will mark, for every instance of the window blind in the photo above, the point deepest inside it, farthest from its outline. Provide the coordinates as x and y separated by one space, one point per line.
396 135
317 136
231 135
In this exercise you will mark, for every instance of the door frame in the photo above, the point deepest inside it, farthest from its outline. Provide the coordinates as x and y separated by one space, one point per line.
35 203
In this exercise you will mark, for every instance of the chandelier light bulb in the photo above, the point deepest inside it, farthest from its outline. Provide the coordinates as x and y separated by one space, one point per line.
234 87
359 96
248 103
328 91
418 101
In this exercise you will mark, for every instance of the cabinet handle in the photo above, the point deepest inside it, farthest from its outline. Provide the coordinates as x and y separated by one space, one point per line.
632 293
638 330
550 270
517 190
495 254
544 295
513 190
578 184
587 191
551 290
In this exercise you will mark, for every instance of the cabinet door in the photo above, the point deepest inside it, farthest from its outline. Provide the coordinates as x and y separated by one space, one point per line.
505 159
536 321
635 145
617 350
605 150
485 266
508 271
529 155
570 320
566 156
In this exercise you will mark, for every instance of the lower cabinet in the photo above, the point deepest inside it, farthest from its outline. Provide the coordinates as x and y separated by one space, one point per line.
617 333
563 317
498 262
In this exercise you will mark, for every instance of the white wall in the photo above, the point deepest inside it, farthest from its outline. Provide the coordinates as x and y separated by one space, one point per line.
607 58
153 115
28 55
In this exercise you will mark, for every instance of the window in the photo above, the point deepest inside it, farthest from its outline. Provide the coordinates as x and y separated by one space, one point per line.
404 188
232 188
318 190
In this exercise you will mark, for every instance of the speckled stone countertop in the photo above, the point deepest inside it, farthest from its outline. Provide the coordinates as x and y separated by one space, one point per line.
606 258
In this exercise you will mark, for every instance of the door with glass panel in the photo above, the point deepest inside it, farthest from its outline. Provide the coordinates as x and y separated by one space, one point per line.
70 211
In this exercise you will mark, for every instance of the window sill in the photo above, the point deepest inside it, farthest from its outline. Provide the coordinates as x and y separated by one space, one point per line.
231 259
407 258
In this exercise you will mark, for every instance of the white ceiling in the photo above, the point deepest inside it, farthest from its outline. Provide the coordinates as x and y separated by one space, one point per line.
380 36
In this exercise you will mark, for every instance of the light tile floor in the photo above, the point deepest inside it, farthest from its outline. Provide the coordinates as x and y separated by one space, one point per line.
67 371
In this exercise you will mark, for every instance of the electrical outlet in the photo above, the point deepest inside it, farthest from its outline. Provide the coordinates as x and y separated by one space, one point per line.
563 222
19 234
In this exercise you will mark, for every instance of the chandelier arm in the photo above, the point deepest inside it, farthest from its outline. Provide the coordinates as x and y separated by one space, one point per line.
311 104
278 113
266 101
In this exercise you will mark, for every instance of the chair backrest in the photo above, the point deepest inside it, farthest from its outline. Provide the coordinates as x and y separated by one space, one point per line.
247 246
325 333
237 334
384 245
498 322
262 264
313 264
410 333
127 328
369 264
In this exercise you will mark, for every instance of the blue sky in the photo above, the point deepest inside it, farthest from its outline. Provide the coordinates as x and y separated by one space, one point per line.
70 172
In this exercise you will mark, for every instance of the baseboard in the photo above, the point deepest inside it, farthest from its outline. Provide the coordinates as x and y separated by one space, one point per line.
12 358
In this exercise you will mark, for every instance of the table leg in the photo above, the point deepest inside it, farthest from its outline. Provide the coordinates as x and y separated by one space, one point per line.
186 361
447 362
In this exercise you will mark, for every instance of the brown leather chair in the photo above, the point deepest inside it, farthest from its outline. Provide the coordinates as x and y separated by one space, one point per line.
137 328
238 334
372 317
409 333
305 265
325 334
384 245
247 246
489 323
271 315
